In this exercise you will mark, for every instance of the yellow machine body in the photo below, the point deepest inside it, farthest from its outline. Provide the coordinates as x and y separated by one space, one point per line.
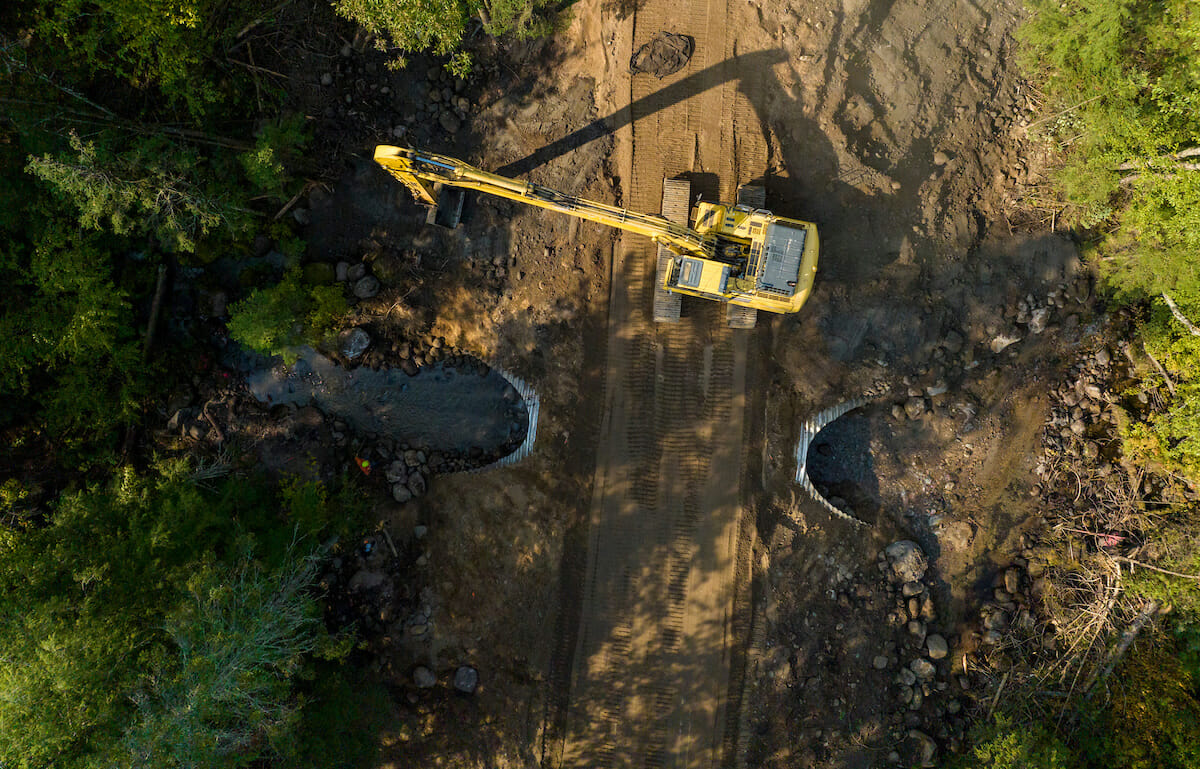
732 254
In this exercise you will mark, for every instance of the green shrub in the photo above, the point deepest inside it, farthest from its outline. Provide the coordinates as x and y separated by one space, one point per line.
163 45
1153 716
277 145
1121 76
150 624
152 188
276 320
438 26
1008 745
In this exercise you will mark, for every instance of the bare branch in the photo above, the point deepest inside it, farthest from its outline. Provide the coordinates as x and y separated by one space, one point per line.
1123 559
1161 370
1179 316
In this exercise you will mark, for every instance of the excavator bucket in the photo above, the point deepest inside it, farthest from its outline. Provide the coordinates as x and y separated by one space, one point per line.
444 203
448 211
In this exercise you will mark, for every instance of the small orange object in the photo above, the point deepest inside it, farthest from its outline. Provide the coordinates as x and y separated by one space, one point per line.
363 465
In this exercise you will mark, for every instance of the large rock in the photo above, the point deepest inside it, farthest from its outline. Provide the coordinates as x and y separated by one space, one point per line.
353 342
1012 580
926 747
907 561
466 679
450 123
937 647
424 678
1038 320
400 492
923 669
417 484
397 472
366 287
365 579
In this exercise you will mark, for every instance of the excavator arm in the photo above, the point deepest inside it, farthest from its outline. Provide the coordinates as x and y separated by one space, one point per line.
421 171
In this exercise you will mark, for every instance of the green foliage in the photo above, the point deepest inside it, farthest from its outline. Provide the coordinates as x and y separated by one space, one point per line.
1153 717
1124 80
314 508
1004 744
277 145
168 45
70 360
151 189
1177 429
439 26
154 623
346 708
275 320
239 638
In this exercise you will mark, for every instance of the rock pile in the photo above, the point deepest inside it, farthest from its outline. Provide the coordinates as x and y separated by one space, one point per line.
920 662
1084 414
1035 315
364 91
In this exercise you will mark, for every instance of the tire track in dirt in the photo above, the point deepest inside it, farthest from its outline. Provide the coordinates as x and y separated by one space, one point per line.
653 660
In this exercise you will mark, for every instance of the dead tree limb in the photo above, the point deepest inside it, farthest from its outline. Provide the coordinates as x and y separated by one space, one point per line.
1149 611
212 421
1160 570
1161 370
160 288
1179 316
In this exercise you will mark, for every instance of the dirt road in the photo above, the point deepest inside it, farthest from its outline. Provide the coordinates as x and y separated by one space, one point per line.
649 685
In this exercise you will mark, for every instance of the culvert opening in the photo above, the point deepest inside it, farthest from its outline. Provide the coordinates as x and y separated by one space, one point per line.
842 469
460 407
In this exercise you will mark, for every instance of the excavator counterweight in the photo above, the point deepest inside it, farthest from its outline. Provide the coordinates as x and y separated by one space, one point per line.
740 254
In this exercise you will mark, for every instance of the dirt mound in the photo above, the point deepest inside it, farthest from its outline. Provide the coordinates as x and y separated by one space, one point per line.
665 54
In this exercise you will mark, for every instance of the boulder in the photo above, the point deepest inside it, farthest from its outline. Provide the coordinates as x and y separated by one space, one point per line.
424 678
449 122
365 579
907 561
366 287
466 679
417 485
1012 580
353 342
397 472
922 668
1038 320
400 492
926 747
937 647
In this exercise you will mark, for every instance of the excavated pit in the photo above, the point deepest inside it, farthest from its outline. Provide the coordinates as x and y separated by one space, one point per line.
468 408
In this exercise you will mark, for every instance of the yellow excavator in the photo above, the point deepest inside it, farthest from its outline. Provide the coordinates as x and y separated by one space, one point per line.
739 254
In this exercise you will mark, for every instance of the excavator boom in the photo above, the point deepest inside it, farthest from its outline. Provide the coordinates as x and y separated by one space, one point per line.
419 171
741 255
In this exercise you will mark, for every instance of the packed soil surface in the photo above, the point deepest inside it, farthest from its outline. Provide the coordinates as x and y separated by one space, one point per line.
650 586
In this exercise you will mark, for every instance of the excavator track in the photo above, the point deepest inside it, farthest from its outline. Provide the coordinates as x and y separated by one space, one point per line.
676 201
